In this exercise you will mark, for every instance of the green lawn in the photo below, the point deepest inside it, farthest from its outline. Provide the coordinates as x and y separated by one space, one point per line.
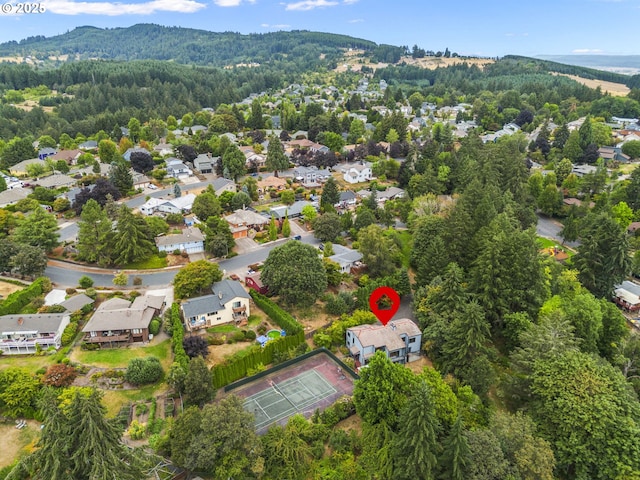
223 329
546 244
120 357
30 362
407 242
150 263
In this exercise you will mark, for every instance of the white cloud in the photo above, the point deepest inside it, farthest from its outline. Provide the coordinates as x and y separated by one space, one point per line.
586 50
356 20
231 3
277 26
310 4
350 2
70 7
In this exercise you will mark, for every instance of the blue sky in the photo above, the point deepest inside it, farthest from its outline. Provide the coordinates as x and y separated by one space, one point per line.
488 28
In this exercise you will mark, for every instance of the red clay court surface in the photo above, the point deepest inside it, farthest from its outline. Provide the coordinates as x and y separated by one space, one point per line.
313 383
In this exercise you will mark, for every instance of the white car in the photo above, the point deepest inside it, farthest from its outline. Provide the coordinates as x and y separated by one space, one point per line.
152 186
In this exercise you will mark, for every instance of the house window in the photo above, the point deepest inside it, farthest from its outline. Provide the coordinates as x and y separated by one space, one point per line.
412 340
236 304
94 334
136 331
394 354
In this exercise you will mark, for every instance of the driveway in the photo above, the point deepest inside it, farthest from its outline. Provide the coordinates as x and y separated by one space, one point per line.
246 244
550 228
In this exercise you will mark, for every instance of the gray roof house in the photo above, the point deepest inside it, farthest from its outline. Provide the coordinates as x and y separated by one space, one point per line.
291 211
25 334
204 163
345 257
118 321
399 339
56 180
190 240
221 185
228 302
9 197
77 302
127 155
88 145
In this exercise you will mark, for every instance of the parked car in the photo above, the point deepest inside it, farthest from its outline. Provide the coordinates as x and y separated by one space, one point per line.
298 237
152 186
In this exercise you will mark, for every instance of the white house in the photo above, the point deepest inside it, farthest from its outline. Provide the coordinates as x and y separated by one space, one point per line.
22 334
228 302
399 339
181 204
191 240
357 173
177 169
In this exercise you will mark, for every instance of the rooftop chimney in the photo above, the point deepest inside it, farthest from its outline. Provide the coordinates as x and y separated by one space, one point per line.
20 321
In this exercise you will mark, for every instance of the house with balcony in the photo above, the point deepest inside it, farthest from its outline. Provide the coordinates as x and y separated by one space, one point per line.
400 341
119 322
228 303
26 334
357 173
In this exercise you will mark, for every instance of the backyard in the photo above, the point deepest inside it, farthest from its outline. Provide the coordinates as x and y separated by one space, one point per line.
120 357
13 440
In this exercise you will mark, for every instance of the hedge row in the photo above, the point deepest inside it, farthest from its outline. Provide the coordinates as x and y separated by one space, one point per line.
15 302
179 355
237 367
282 318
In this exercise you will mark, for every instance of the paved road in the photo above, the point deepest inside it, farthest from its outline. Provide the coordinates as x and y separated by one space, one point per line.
550 228
63 275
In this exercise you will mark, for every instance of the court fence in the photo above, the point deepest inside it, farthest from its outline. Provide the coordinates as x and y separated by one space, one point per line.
345 368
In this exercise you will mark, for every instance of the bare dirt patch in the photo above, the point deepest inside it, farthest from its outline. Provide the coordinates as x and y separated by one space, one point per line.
8 288
615 89
219 353
173 260
13 440
418 365
354 422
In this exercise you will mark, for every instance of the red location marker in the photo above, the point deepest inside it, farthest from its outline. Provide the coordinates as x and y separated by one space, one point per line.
384 314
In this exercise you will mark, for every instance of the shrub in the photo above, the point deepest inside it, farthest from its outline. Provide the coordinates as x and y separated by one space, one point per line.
250 335
162 254
15 302
143 371
238 336
69 334
59 375
85 282
137 281
176 251
262 329
195 345
215 341
154 326
91 293
70 291
137 431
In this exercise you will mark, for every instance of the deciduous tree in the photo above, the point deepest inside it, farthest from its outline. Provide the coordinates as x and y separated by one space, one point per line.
195 278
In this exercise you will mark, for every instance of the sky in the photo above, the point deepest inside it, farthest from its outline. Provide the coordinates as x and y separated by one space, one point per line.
468 27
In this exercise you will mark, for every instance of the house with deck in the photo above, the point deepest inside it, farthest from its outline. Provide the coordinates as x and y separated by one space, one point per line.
227 303
118 321
400 341
26 334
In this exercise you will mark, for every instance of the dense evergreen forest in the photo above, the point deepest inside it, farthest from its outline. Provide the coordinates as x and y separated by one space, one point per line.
185 45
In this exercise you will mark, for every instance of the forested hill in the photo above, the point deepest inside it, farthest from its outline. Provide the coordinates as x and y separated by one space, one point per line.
535 65
185 45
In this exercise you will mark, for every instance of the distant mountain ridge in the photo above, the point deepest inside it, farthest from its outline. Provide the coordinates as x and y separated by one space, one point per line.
184 45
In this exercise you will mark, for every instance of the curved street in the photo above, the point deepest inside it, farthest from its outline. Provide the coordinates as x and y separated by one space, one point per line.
67 274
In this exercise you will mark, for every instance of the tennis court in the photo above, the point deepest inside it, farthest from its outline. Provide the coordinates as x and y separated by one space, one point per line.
286 398
300 386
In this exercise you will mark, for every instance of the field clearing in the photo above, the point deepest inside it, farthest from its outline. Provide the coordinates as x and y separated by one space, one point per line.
7 289
353 60
13 440
615 89
114 400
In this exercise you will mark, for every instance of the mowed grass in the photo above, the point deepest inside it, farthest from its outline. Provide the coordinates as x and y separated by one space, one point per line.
120 357
223 329
150 263
31 362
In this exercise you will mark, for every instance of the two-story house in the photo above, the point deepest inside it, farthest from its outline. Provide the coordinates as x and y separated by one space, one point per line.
177 169
357 173
120 322
228 302
399 339
24 334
